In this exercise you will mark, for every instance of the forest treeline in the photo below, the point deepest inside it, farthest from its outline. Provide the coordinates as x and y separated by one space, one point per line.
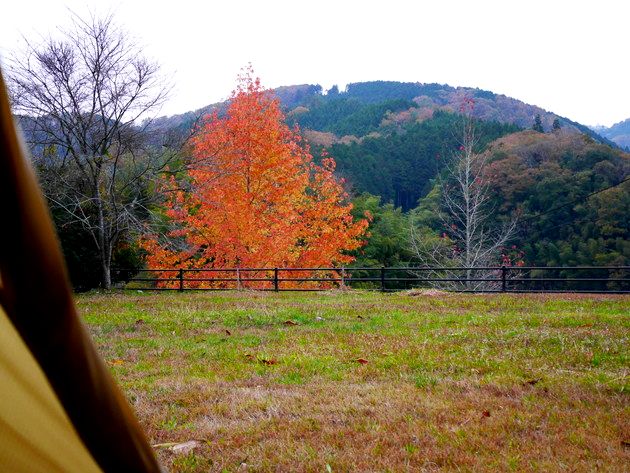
390 144
393 162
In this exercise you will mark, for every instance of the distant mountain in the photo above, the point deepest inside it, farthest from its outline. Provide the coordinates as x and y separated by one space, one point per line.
390 138
366 107
342 109
289 96
619 133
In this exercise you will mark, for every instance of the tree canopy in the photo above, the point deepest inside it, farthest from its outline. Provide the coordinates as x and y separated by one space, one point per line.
254 197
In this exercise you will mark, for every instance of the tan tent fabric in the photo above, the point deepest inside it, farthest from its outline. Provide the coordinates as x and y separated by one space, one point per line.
37 299
35 432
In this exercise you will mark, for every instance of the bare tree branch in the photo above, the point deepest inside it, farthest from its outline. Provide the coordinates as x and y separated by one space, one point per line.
80 99
470 238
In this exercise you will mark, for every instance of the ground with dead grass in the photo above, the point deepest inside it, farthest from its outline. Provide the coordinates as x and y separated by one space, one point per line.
364 382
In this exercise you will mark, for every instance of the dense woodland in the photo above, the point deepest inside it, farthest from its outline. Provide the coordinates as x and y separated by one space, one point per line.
547 177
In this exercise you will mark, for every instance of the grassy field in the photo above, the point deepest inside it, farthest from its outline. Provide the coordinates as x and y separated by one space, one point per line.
374 382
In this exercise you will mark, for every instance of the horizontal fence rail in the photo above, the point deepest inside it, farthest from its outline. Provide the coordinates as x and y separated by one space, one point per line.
524 279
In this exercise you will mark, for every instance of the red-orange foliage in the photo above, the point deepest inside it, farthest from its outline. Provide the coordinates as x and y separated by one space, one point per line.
255 198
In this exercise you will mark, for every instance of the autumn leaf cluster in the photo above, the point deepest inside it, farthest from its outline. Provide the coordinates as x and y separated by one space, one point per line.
253 196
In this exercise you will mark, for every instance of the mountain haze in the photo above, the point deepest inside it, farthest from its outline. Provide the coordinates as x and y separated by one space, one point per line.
619 133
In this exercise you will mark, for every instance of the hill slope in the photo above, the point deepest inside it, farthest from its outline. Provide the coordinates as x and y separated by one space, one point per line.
364 106
425 99
618 133
555 180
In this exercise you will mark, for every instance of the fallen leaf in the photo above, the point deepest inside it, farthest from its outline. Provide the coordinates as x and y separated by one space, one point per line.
228 332
360 317
625 443
485 413
164 445
362 361
116 362
290 322
533 382
140 322
249 356
268 361
186 447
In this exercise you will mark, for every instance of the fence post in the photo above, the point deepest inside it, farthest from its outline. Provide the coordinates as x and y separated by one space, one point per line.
382 278
238 279
275 279
343 278
503 278
181 280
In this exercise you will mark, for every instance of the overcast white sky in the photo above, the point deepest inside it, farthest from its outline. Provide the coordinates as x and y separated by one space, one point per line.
569 57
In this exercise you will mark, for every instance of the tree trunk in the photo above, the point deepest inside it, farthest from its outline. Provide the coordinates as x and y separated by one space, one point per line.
106 261
106 277
103 243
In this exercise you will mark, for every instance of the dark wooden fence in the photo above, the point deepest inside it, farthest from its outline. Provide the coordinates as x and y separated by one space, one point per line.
577 279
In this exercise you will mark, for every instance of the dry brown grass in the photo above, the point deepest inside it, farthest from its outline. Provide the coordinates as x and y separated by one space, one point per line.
451 383
393 427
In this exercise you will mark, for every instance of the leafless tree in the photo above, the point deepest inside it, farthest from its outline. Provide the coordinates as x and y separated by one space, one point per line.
471 237
81 98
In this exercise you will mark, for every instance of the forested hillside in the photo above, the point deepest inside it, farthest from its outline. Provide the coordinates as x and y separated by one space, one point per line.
557 183
570 197
392 143
365 106
400 166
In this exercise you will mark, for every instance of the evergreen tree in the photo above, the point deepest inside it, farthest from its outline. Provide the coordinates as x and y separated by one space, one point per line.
556 124
538 124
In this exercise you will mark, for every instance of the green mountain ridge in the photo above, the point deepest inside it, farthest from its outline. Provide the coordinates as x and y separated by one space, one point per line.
313 109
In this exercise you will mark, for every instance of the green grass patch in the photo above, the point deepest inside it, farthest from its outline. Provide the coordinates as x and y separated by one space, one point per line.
364 381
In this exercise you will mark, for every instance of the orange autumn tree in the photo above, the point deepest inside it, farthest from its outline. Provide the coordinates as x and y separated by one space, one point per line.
255 198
